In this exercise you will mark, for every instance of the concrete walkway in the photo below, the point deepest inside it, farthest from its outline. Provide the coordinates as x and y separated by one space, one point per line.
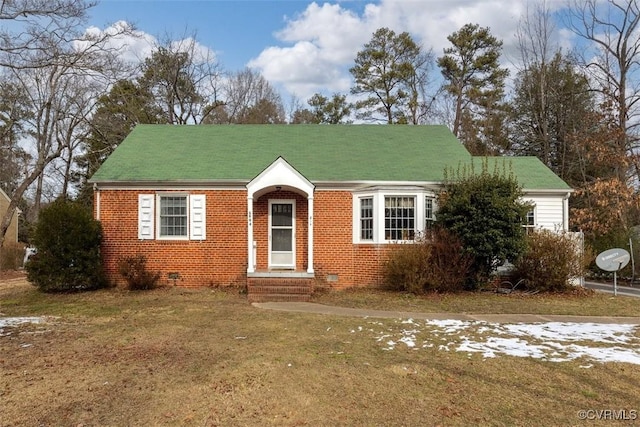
313 308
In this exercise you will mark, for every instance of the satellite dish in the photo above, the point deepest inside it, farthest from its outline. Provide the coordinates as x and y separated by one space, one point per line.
613 259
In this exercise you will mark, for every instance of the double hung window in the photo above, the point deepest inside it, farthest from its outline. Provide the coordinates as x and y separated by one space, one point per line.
399 217
173 216
366 218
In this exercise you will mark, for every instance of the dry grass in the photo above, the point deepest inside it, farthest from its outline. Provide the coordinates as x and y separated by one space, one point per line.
582 303
206 357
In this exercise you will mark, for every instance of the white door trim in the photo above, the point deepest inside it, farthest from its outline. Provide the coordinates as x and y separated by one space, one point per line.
285 259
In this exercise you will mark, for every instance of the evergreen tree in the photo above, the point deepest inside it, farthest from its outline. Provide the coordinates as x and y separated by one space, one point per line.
391 71
473 77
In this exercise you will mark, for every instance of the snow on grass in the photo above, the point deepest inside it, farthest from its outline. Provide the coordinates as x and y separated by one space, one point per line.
551 341
8 322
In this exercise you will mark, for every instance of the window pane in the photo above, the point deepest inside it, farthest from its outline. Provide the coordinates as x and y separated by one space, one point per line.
282 214
282 240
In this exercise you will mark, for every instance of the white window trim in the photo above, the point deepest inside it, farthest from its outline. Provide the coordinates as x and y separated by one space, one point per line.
159 196
378 196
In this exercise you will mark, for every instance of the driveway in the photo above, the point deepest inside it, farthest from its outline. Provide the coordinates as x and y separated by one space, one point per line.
627 291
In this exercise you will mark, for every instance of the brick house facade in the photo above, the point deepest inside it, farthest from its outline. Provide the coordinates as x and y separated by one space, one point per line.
275 206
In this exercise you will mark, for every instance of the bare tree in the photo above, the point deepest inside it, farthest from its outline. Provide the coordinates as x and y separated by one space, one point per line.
246 93
184 78
35 26
47 55
612 29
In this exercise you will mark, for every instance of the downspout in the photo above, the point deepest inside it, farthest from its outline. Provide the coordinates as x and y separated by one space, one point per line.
96 196
565 212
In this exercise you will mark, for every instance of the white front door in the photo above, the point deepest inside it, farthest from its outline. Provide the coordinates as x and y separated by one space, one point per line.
282 214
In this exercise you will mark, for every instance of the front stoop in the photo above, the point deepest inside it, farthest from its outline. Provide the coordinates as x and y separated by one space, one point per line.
279 289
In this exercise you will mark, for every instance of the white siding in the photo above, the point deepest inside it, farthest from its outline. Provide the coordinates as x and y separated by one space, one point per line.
548 211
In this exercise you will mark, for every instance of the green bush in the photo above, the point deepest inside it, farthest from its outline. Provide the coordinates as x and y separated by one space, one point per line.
68 242
484 210
11 256
550 262
134 270
434 263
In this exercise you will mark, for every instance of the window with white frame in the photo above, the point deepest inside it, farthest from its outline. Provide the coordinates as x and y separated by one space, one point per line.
429 212
366 218
530 220
399 217
172 216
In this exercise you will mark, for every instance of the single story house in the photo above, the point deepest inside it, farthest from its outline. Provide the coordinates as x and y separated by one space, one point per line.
12 232
281 208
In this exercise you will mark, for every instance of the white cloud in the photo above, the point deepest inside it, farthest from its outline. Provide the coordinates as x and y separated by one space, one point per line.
324 39
133 46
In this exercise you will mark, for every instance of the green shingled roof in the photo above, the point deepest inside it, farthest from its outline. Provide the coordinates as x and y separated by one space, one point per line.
322 153
530 172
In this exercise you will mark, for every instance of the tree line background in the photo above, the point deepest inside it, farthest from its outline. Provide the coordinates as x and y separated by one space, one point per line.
67 100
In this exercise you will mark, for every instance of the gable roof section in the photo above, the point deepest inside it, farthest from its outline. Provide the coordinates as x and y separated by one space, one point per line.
531 173
4 195
322 153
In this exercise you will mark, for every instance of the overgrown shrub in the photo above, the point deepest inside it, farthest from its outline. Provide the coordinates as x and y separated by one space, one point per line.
68 242
134 270
484 210
436 262
11 256
406 267
550 262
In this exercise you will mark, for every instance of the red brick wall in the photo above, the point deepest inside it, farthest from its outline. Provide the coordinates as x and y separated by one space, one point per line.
218 260
221 259
335 254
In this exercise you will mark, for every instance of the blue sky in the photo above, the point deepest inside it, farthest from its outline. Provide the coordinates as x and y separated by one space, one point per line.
236 30
304 47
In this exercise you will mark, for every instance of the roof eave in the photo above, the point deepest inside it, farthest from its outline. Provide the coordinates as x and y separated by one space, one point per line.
155 184
552 191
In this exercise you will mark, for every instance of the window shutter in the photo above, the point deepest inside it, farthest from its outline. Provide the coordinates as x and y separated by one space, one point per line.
197 217
146 203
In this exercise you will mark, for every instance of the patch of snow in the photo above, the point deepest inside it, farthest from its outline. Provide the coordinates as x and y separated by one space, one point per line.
15 321
10 322
550 341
